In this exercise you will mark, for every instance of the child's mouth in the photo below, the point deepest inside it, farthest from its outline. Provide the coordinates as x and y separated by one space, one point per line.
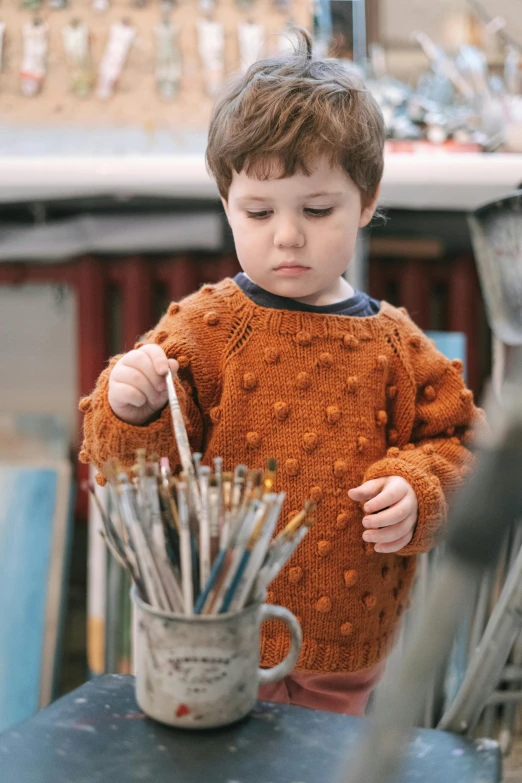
291 270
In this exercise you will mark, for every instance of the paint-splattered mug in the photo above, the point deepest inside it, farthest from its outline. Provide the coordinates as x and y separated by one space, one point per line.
203 671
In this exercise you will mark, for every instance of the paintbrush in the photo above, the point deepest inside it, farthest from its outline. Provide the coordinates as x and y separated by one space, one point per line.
111 469
236 547
258 555
158 544
243 558
196 458
140 472
226 489
213 544
204 526
206 600
282 548
218 469
170 529
194 525
213 518
110 530
277 561
238 487
109 534
146 564
185 550
180 433
166 487
269 475
295 523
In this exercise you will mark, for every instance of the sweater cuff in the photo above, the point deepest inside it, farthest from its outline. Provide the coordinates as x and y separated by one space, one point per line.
127 437
110 436
432 513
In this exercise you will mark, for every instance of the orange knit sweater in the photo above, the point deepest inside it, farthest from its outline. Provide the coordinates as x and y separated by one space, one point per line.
336 400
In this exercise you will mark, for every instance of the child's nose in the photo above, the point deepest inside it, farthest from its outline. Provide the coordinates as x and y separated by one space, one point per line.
288 234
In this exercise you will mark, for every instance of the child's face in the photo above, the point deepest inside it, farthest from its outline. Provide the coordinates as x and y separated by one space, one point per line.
296 236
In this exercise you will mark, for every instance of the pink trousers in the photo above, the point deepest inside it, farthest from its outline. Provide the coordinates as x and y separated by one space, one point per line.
347 693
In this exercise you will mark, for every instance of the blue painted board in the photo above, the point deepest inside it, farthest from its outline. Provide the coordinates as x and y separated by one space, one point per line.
32 546
451 344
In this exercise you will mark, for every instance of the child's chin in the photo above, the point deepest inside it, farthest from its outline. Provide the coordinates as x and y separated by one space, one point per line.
291 287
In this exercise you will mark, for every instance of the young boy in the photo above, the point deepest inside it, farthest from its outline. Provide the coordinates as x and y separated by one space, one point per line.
361 412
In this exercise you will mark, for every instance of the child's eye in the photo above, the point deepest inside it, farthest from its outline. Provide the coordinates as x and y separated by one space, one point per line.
319 212
258 215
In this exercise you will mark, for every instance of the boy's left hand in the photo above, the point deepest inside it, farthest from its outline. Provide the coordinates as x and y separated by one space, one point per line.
391 509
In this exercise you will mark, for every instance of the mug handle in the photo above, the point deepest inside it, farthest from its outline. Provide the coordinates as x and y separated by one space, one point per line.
276 673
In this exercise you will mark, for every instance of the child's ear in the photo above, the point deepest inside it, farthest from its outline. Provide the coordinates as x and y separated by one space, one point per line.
368 210
225 206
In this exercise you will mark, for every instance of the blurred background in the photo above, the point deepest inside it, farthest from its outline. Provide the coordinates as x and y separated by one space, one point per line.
107 214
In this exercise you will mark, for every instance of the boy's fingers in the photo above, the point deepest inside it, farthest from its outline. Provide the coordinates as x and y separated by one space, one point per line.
173 366
142 359
158 358
131 394
391 493
390 516
132 376
395 546
367 490
391 533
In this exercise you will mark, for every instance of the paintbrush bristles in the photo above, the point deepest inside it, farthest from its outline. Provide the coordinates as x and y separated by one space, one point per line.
198 543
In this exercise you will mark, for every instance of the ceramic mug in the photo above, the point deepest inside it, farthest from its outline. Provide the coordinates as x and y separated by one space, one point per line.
203 671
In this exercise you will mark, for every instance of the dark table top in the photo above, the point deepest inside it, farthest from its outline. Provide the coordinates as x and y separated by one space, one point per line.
97 733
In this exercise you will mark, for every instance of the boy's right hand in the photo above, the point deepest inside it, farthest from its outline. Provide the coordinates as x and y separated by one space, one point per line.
137 386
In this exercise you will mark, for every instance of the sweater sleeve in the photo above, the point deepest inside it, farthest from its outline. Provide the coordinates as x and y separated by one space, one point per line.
195 338
432 416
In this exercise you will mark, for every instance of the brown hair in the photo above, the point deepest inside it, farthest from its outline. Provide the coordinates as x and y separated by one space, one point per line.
287 111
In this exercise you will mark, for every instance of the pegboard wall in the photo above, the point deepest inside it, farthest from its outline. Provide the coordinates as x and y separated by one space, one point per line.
136 100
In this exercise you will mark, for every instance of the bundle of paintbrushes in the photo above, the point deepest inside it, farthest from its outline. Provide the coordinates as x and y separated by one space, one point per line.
201 542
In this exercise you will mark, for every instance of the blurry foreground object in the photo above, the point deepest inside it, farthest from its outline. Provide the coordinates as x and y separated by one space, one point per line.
484 511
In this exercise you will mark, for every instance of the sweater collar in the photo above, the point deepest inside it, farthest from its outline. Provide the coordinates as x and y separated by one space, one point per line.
314 324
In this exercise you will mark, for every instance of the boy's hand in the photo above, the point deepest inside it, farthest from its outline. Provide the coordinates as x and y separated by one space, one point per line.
137 386
391 509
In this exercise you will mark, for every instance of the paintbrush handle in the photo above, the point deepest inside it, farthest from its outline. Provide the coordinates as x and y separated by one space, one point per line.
255 562
236 547
186 570
178 424
112 549
180 433
163 566
211 582
204 540
229 595
185 547
279 556
217 590
151 577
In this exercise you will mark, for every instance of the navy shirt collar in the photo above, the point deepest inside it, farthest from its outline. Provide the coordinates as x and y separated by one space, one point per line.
359 305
